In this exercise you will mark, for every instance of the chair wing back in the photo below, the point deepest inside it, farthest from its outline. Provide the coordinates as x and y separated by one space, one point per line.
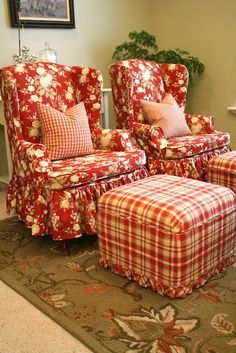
176 78
24 85
88 84
132 80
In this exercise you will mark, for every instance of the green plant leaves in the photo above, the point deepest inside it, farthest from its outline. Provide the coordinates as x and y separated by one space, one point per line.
129 50
143 46
144 39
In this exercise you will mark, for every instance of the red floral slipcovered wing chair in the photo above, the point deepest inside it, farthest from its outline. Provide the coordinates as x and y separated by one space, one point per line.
186 156
59 197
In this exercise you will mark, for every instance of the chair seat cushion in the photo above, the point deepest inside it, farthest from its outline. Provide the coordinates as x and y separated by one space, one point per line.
187 146
90 168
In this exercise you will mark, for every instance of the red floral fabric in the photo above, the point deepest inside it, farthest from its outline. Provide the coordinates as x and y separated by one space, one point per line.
187 156
145 82
102 164
60 197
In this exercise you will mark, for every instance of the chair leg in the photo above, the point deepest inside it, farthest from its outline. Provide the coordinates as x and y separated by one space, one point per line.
66 247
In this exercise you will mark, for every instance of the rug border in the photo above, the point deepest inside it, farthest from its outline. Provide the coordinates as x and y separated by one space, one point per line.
47 310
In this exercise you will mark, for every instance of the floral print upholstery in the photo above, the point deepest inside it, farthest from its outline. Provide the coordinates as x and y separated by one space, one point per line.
60 197
187 156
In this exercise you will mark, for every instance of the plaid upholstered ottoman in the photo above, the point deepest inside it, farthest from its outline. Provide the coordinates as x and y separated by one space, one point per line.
222 170
168 233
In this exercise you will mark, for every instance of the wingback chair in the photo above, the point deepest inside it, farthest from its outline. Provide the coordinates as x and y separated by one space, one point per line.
57 194
135 80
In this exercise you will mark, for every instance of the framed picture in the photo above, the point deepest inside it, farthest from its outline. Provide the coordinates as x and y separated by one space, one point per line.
42 13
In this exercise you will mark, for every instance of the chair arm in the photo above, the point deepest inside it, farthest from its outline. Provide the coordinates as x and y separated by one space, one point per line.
200 124
148 135
32 161
114 140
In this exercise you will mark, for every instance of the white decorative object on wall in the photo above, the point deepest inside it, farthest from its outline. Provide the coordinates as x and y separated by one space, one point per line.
232 110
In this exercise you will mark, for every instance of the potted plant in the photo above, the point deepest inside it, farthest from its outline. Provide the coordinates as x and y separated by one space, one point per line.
143 45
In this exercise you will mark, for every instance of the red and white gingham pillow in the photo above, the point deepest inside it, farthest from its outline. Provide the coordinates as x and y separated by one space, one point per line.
67 134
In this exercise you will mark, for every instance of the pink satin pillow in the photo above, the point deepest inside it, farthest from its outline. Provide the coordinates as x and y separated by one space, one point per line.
167 115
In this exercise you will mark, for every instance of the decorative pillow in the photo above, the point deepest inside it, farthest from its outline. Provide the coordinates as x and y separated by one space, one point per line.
167 115
67 134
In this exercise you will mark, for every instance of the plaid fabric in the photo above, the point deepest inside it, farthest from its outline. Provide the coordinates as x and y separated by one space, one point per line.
66 134
222 170
167 232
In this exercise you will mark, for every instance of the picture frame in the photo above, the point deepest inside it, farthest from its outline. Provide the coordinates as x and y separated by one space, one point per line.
42 13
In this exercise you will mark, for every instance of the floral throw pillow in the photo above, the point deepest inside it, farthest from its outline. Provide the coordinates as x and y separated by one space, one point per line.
167 115
67 134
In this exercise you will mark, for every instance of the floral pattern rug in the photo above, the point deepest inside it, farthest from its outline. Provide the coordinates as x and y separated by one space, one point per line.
109 313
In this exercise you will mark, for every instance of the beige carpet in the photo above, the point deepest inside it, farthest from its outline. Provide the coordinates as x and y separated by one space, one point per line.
25 329
109 313
32 330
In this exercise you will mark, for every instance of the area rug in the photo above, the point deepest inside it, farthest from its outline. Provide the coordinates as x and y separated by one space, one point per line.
111 314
